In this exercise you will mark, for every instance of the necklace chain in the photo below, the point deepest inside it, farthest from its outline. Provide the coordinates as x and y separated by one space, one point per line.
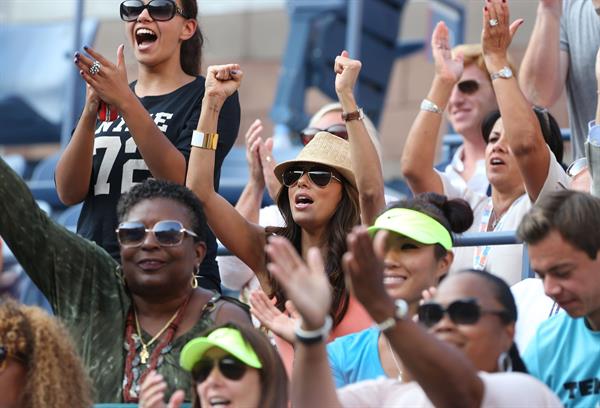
399 378
144 354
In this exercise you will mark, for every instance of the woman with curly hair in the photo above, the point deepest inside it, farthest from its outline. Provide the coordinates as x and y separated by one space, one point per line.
39 366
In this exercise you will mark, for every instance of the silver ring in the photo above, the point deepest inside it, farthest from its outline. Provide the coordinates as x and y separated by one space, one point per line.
95 68
493 22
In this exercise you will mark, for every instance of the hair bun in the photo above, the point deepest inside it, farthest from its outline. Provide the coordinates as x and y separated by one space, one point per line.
456 210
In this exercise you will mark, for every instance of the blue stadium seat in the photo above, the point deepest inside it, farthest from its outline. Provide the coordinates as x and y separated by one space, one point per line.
35 79
41 183
69 217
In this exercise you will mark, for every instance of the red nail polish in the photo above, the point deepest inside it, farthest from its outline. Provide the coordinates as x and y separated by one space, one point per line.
485 8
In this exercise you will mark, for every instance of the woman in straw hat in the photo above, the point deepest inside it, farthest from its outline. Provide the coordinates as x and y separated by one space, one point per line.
324 194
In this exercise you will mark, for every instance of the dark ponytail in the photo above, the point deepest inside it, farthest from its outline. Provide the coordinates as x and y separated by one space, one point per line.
191 49
518 365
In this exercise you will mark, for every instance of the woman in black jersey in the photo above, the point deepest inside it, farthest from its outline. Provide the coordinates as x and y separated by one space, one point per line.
151 135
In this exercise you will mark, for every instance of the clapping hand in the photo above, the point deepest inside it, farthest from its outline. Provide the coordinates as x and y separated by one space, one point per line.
497 33
152 393
109 81
447 67
306 285
253 143
280 323
222 81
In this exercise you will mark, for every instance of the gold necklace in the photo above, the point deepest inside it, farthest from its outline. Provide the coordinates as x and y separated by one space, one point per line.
144 354
399 378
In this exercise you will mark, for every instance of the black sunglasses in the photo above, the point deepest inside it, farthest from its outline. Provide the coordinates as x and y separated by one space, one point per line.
229 366
159 10
468 86
309 133
463 311
319 176
166 233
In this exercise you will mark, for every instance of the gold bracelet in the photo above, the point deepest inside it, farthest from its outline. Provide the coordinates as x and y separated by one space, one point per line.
205 140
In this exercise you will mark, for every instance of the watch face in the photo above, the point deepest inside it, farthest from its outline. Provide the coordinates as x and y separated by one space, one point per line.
505 72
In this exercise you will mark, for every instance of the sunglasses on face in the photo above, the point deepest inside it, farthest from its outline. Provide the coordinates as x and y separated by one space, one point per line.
166 233
229 366
319 177
338 130
465 311
159 10
468 86
4 355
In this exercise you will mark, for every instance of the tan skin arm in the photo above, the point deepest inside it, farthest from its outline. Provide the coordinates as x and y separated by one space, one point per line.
363 155
544 67
521 126
74 168
418 157
244 239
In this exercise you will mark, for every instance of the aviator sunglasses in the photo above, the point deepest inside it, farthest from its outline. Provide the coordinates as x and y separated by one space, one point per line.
229 366
166 233
159 10
462 311
309 133
319 176
468 86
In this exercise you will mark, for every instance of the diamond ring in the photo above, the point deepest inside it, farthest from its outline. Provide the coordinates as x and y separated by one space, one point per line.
493 22
95 68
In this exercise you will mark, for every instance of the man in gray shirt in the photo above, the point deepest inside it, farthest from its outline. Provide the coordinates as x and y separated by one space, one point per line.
562 50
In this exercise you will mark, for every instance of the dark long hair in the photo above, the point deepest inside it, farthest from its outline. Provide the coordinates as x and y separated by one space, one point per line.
345 217
191 49
274 391
504 296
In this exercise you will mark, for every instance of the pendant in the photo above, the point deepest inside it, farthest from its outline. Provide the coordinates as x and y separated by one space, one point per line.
144 354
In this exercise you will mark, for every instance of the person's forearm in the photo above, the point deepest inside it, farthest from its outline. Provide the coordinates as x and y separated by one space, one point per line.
74 168
163 159
418 156
541 71
365 163
312 384
250 201
446 375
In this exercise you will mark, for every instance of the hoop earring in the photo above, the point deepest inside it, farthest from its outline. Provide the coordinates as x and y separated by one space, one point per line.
195 277
504 362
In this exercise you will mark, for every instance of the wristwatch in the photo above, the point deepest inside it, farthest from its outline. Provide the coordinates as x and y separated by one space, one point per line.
504 73
356 115
400 312
429 106
313 336
205 140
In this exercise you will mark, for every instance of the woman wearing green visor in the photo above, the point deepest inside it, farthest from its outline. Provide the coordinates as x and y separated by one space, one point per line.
231 366
417 255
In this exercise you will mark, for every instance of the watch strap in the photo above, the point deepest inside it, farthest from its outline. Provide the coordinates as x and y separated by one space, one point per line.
400 312
428 106
205 140
505 73
356 115
313 336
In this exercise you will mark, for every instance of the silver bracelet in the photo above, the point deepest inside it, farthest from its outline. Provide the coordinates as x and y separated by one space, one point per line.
313 336
429 106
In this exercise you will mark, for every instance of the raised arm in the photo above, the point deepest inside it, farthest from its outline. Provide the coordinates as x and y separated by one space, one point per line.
446 375
363 155
163 159
244 239
418 157
544 67
521 126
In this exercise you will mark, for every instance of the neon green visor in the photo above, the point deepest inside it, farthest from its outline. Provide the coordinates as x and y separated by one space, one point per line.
226 338
413 224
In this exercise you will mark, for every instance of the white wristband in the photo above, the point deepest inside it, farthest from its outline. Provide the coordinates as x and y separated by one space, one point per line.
313 336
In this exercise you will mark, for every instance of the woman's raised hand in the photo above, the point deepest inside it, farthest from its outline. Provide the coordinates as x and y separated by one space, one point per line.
108 80
447 67
497 32
272 318
363 266
222 81
305 285
152 393
346 70
253 143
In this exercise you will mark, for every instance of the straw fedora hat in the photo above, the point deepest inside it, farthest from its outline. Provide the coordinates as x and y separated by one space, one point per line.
326 149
